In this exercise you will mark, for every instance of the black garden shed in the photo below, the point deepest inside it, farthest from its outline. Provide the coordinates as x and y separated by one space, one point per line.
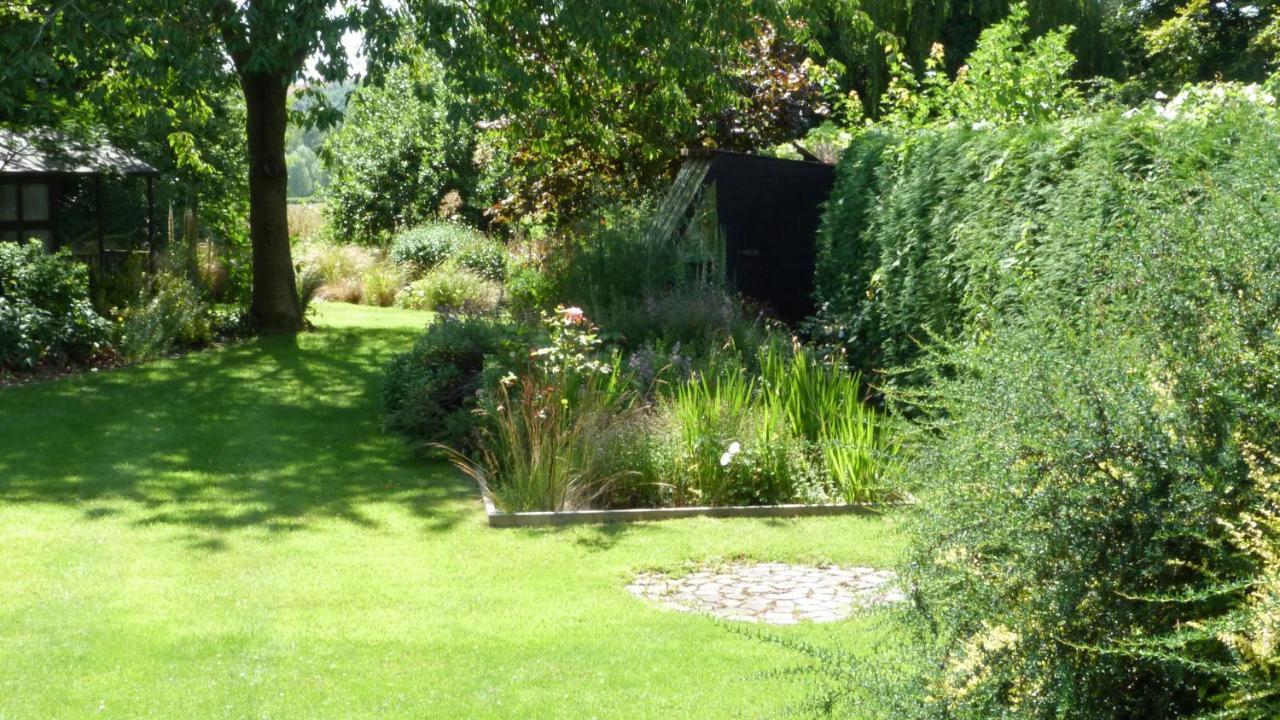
68 193
755 218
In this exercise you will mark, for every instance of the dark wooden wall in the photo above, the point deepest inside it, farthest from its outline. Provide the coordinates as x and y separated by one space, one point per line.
770 210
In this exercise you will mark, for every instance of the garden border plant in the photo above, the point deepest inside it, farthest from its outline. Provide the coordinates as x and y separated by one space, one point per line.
543 518
563 434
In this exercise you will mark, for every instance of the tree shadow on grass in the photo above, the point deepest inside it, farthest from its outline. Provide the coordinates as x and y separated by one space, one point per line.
275 433
601 538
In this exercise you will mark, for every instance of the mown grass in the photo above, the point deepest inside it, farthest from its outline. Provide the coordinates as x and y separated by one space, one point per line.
231 534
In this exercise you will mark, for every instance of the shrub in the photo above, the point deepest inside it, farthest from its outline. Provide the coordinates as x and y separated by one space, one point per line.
168 314
119 284
610 259
944 232
339 267
403 146
529 290
656 366
1102 424
1007 79
451 290
544 446
430 392
700 319
45 314
1248 629
484 257
427 246
230 321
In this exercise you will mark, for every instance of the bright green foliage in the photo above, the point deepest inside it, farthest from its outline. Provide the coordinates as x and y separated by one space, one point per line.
425 246
1166 43
1006 80
859 454
483 256
271 551
797 431
546 440
732 446
1104 412
403 145
169 314
582 90
529 290
822 402
148 59
380 285
1248 630
45 313
565 426
451 289
926 236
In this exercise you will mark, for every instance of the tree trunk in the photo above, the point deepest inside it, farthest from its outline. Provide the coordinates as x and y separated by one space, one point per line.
275 306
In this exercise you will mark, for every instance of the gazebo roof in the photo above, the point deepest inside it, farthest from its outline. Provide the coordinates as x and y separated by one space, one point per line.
48 152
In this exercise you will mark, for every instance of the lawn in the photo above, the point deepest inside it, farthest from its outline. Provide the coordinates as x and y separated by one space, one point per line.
231 534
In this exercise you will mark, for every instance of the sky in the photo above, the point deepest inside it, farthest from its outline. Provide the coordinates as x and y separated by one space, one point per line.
355 58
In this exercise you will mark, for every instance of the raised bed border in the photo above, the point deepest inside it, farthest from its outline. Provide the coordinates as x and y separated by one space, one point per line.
502 519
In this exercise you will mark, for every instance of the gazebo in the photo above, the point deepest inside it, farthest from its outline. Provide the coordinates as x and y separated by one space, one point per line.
53 189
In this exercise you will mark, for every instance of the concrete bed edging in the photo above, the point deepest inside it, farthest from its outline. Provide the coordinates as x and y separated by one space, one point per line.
502 519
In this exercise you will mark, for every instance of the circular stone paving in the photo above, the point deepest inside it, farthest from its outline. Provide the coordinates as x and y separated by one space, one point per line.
774 593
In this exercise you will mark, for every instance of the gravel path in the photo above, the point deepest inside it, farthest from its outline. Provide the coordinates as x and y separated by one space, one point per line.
773 593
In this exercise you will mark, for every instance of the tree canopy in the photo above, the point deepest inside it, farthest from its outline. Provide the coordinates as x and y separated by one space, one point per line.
141 57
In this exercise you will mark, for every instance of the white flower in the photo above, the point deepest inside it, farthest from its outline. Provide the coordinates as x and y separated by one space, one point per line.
727 457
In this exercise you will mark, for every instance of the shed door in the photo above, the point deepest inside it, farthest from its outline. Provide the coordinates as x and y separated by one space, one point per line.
770 211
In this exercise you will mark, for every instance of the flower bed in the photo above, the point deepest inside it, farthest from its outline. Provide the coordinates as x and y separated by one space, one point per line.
564 422
545 518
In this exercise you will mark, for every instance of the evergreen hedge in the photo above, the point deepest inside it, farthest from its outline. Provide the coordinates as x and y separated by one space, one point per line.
946 231
1091 312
